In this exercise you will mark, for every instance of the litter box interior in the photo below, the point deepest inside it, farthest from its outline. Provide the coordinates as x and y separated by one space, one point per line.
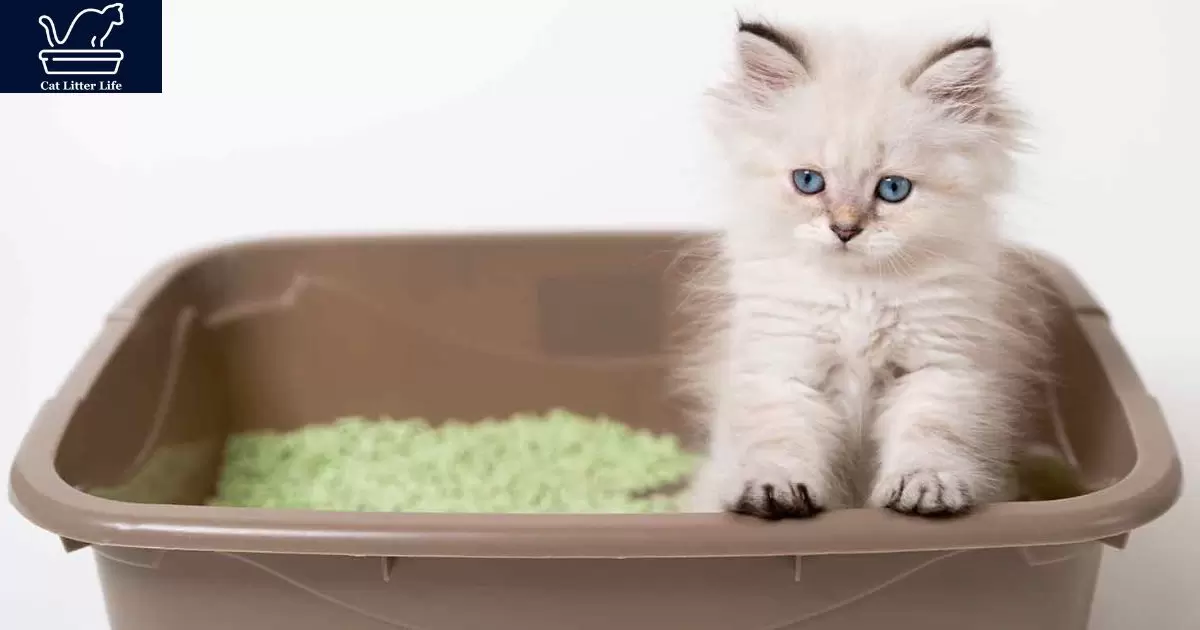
273 337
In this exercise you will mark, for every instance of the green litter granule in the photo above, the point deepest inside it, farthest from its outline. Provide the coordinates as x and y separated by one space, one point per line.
560 462
1043 477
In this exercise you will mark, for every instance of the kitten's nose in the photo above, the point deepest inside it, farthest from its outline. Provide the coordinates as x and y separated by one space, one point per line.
845 232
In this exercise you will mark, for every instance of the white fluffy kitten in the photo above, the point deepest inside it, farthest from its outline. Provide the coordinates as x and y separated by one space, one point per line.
875 342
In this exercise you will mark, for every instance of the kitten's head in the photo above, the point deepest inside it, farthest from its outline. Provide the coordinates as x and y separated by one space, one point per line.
862 153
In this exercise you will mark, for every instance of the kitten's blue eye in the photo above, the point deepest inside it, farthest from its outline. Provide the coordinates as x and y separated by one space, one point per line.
807 181
893 189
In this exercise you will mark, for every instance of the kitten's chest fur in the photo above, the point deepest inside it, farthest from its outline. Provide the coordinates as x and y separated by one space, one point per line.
861 349
850 338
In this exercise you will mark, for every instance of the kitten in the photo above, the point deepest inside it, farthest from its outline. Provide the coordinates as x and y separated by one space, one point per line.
875 340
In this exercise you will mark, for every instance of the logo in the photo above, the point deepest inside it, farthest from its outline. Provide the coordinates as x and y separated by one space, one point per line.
64 46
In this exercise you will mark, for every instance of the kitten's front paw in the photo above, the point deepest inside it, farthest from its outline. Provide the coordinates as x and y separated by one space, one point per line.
770 502
774 486
924 493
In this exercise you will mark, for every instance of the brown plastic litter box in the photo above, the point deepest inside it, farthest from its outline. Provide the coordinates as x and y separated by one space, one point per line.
284 333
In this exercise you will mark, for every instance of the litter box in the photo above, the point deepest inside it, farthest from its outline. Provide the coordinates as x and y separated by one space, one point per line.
286 333
86 61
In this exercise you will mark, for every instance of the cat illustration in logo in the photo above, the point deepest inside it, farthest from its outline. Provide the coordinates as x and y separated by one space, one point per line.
89 29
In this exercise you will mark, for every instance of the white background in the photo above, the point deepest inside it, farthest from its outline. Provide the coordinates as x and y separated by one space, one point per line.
287 117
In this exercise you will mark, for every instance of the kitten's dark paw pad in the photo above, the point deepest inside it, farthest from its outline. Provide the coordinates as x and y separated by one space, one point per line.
769 502
926 493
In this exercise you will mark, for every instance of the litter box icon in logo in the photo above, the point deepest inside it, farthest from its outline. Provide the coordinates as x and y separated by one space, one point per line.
80 48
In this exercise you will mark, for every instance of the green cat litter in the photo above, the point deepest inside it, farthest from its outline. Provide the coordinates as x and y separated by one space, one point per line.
559 462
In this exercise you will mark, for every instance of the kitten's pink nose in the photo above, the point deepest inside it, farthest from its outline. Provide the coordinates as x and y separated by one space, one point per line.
845 232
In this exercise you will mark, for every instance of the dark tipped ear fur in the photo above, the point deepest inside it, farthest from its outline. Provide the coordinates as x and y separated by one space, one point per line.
771 60
959 74
773 35
961 44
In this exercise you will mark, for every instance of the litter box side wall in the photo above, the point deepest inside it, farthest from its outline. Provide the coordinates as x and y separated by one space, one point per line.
445 329
998 589
1112 426
141 418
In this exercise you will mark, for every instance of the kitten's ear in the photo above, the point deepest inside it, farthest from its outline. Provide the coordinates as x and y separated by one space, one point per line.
770 60
961 75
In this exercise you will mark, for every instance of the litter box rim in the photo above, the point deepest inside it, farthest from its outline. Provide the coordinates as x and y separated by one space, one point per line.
44 498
